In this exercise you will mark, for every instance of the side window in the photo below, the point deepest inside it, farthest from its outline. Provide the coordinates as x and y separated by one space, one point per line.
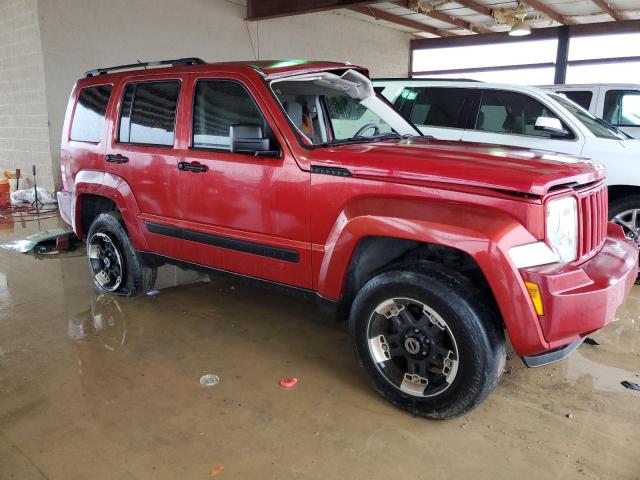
582 98
88 119
512 112
622 108
217 105
148 113
437 107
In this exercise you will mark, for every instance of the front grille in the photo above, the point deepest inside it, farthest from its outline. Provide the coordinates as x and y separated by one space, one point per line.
593 214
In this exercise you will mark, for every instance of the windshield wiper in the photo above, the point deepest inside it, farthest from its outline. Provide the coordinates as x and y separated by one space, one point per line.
345 141
375 138
386 136
406 136
602 121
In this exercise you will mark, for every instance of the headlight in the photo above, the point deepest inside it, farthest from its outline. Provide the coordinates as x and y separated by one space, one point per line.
562 228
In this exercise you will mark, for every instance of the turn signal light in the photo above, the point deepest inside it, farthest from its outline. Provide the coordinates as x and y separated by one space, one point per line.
536 298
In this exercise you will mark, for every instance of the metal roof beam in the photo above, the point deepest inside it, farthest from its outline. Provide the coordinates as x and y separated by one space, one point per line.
549 12
476 7
443 17
582 30
400 20
264 9
606 7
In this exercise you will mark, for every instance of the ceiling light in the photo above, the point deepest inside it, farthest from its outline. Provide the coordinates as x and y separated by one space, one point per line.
519 30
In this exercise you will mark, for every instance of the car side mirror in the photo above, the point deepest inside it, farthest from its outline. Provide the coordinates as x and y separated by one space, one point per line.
551 125
248 139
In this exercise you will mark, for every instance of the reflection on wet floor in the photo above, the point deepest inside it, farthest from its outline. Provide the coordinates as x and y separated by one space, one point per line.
103 320
96 386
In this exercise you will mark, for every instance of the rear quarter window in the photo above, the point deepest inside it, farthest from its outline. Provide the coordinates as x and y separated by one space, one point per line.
88 118
582 98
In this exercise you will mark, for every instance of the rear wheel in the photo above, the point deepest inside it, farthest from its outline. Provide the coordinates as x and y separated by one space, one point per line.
114 264
427 343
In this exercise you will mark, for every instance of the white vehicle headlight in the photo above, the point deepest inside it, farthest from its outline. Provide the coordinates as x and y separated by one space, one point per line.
562 228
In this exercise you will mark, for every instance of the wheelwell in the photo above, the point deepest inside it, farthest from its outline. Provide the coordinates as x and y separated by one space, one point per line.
374 255
618 191
91 206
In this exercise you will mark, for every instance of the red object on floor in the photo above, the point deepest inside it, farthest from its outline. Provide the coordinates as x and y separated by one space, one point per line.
5 199
63 242
288 383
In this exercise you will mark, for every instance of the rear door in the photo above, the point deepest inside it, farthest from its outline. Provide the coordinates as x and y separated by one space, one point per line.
508 118
442 112
143 149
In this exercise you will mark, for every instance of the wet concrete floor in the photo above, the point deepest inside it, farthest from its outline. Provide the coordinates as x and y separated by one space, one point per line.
93 386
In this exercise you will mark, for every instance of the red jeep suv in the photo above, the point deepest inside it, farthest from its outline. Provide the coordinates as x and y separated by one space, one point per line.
296 173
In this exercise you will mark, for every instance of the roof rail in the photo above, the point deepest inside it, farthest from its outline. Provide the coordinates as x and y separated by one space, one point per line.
426 79
178 62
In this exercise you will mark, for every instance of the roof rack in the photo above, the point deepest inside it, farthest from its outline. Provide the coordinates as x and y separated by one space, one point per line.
179 62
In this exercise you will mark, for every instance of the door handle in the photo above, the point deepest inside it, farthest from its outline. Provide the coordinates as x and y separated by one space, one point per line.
116 158
192 167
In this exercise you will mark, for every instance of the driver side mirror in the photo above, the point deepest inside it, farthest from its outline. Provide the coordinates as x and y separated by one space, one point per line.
551 125
248 139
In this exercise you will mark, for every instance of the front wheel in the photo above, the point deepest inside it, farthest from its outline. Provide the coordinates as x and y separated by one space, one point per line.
114 264
426 342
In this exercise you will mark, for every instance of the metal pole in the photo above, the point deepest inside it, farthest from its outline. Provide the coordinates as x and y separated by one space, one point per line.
562 55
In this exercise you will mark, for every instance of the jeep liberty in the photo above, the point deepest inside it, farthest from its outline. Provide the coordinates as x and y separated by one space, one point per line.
296 173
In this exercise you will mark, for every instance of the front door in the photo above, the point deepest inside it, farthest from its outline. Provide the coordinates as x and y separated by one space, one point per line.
241 212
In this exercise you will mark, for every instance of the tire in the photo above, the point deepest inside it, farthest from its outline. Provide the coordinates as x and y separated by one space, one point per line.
622 207
114 264
460 338
619 206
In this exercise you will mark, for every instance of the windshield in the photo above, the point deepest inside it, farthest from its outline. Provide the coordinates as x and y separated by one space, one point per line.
328 110
597 126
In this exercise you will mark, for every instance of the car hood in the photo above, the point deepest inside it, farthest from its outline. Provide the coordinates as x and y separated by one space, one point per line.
472 164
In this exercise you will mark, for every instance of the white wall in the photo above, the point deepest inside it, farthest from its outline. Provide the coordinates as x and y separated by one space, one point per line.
78 35
24 134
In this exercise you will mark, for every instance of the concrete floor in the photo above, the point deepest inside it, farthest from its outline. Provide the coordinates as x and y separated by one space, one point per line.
100 387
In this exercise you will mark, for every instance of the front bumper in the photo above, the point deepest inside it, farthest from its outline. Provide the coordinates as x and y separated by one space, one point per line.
579 299
551 356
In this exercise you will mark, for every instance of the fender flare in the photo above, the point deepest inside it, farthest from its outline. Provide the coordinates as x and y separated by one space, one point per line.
115 188
485 234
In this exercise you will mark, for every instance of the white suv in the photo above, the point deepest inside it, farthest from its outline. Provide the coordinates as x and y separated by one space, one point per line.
618 104
525 117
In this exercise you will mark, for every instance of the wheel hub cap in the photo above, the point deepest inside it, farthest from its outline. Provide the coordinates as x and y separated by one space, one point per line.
412 347
105 261
629 221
